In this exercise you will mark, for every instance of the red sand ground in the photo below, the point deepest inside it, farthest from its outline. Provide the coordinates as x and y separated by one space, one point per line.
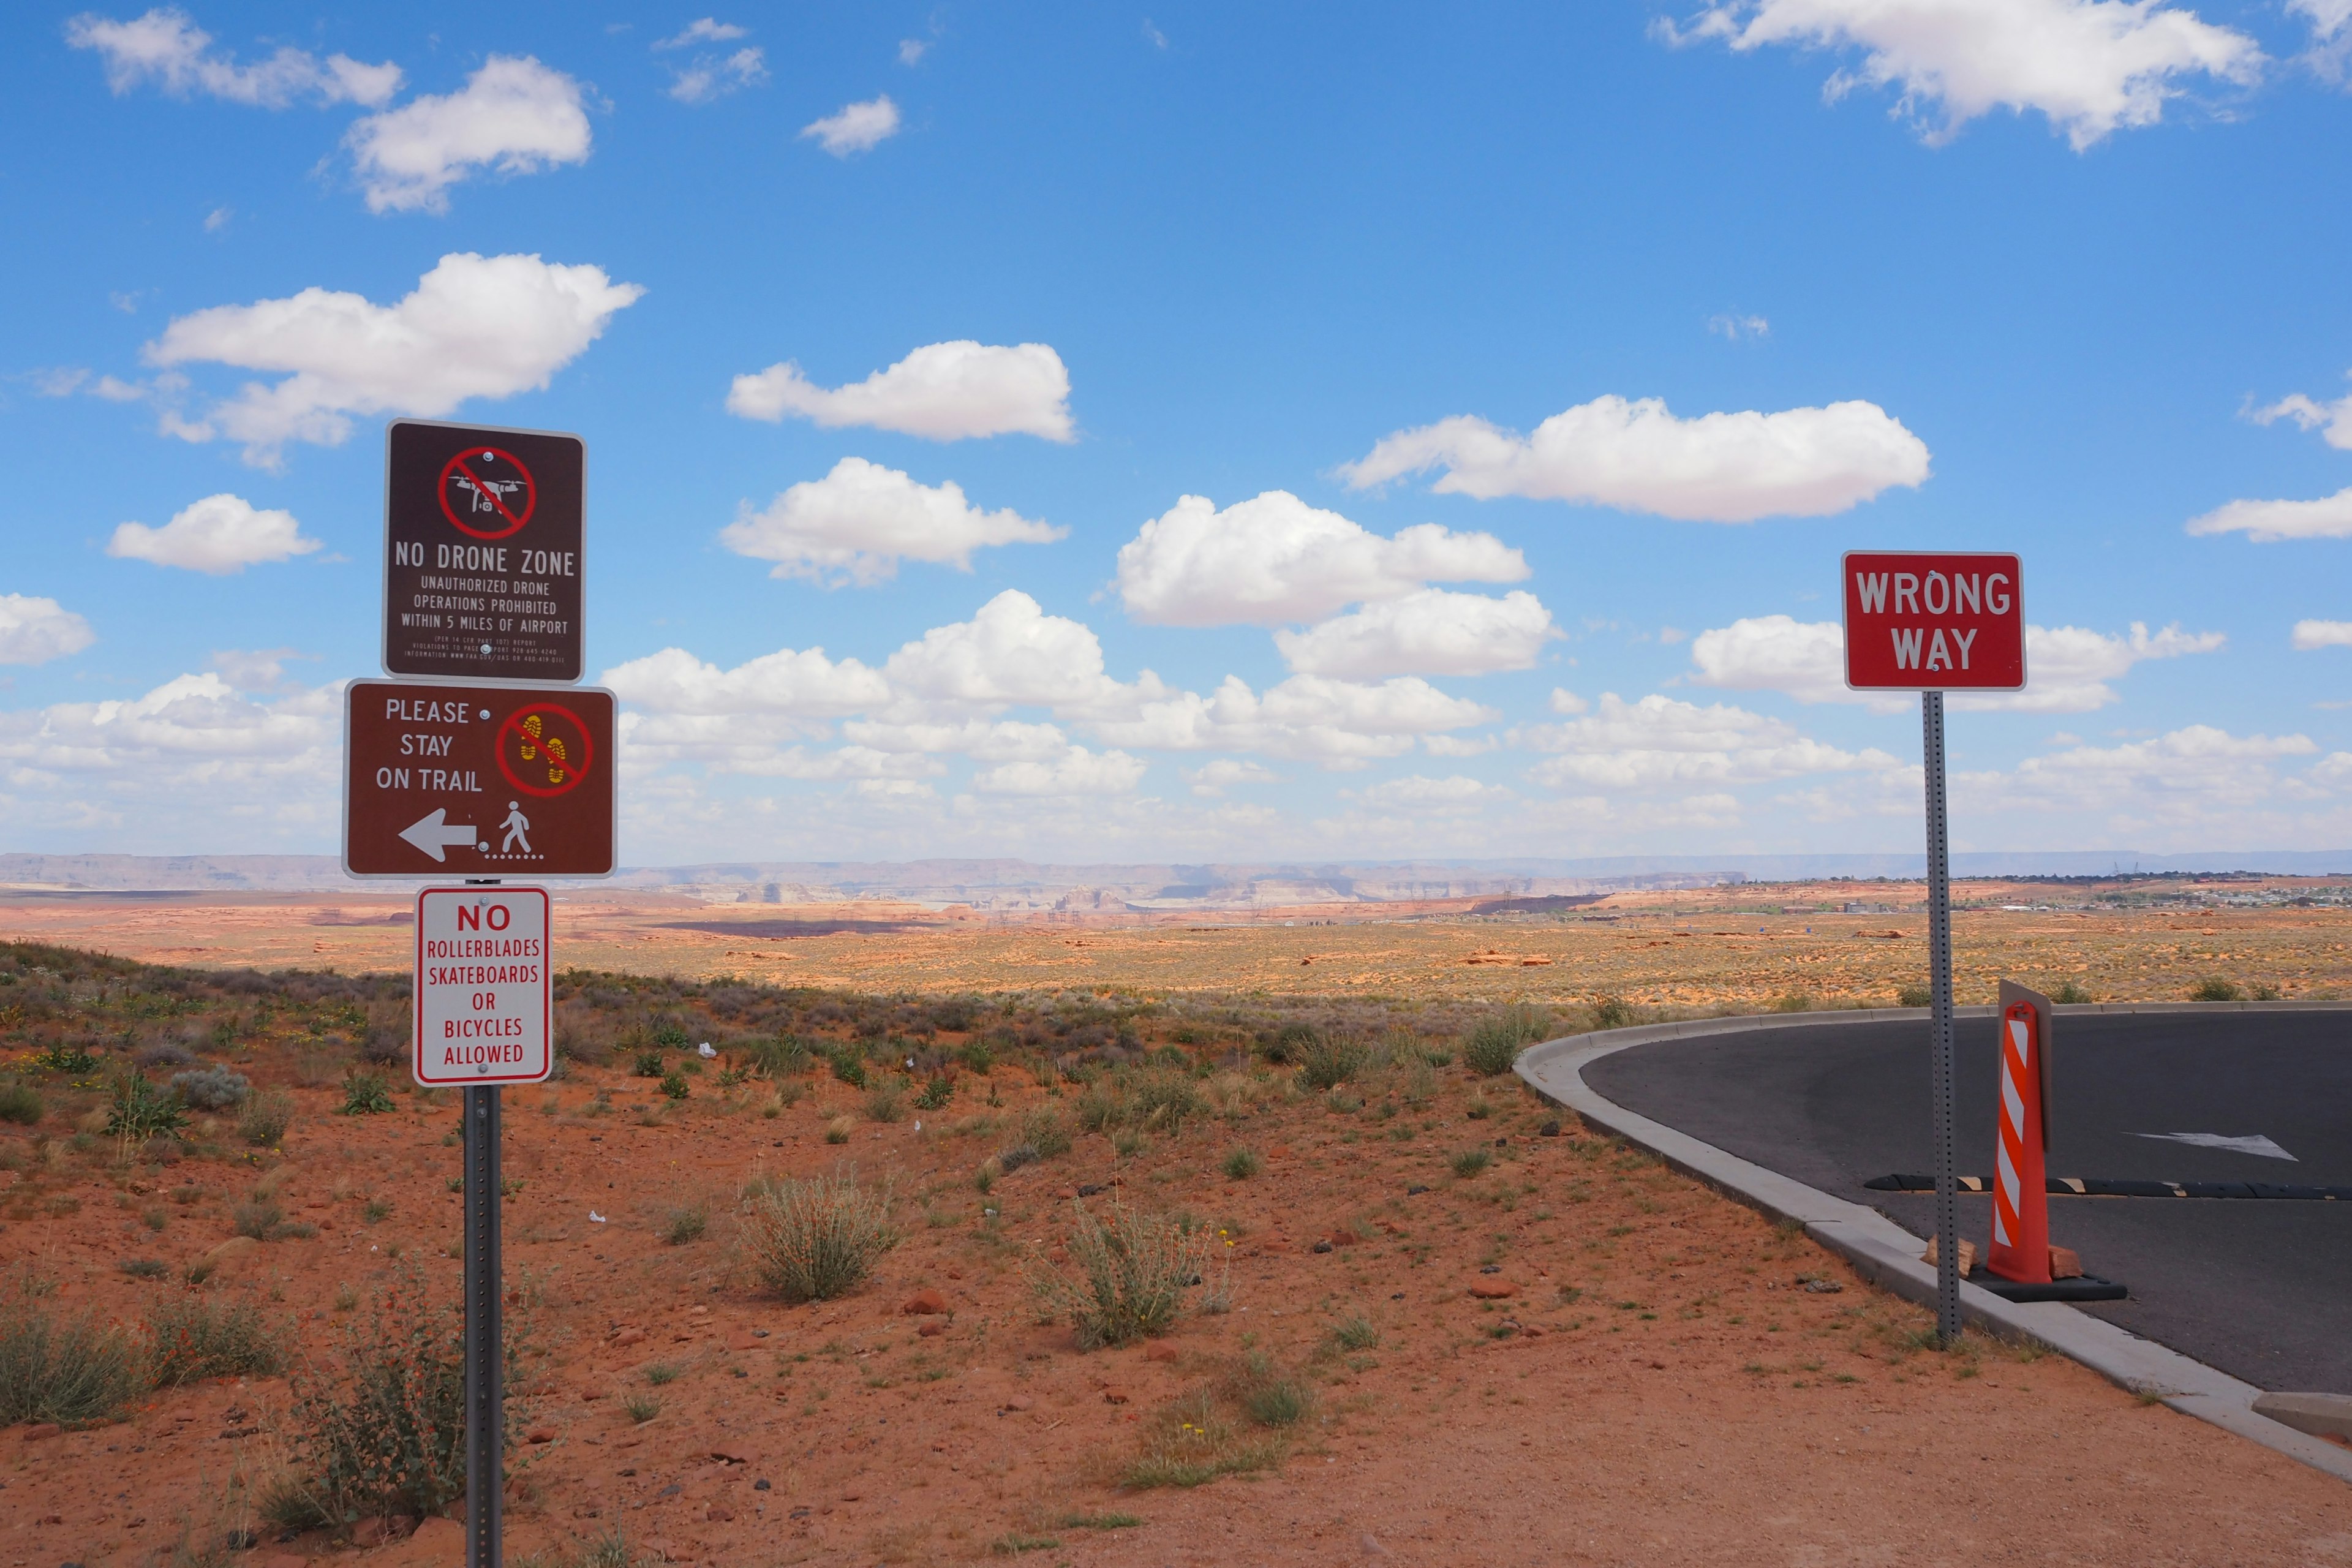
1677 1397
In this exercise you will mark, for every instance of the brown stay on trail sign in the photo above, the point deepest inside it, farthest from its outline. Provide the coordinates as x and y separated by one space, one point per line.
477 781
482 537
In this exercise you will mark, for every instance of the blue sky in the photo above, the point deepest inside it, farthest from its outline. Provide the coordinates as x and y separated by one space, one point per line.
1788 278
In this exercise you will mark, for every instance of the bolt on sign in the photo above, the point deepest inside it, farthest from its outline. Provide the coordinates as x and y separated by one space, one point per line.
482 536
483 996
477 781
1917 622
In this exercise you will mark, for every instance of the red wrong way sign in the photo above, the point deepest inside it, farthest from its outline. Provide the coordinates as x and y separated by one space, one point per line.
483 994
1928 621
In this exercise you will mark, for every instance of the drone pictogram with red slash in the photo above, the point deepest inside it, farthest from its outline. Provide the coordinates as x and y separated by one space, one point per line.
487 492
544 749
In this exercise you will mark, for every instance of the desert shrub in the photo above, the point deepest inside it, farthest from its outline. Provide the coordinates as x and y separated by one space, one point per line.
1289 1043
165 1054
1915 996
366 1093
71 1370
815 1239
1099 1109
849 1067
21 1103
1267 1394
1495 1042
648 1064
672 1036
1164 1101
660 1375
1470 1162
1356 1333
2216 990
385 1432
144 1268
674 1085
2069 991
781 1055
257 1217
641 1407
192 1336
58 1055
211 1089
1793 1002
386 1041
1242 1165
686 1223
1011 1157
976 1057
1193 1441
936 1094
1612 1013
885 1101
263 1122
1328 1061
1132 1273
1044 1131
838 1129
137 1110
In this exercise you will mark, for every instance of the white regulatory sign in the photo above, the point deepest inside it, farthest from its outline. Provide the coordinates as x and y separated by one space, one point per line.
483 991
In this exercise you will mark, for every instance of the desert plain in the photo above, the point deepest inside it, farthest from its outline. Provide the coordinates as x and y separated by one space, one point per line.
1434 1322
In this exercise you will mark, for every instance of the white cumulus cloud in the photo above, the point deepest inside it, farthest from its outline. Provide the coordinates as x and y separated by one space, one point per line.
856 524
1637 456
192 731
514 114
2174 778
166 46
714 76
2311 635
2091 66
2332 419
707 30
1011 651
1075 770
220 534
857 128
943 392
1275 559
1212 779
2067 669
35 630
2268 522
1431 631
474 327
795 683
1421 794
1661 742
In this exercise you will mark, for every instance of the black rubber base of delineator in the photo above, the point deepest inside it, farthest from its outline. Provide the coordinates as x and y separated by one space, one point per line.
2082 1288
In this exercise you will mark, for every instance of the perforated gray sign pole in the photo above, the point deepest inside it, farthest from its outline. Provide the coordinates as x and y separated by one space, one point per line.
485 1407
1939 981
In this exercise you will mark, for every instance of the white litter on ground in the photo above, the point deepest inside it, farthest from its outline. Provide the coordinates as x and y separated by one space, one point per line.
2254 1143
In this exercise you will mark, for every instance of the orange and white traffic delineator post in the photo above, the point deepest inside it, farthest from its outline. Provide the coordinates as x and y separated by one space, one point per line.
2021 1197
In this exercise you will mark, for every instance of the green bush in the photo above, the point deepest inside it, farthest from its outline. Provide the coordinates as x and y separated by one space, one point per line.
936 1094
1328 1061
1915 996
71 1370
648 1064
976 1057
1355 1333
686 1223
2068 991
674 1085
137 1110
849 1067
1470 1162
1268 1396
1241 1165
815 1239
1131 1275
259 1218
2216 990
366 1093
385 1432
1289 1043
21 1103
190 1337
59 1056
1495 1042
1612 1013
1164 1101
782 1056
672 1037
1044 1131
264 1121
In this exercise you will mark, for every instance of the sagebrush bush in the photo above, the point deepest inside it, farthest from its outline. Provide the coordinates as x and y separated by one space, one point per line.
384 1433
1328 1061
2216 990
1495 1042
211 1089
264 1121
70 1369
192 1336
2071 991
1132 1274
21 1103
815 1239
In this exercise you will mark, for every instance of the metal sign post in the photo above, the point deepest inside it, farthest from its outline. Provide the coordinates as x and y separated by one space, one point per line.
1939 1014
1929 623
486 1394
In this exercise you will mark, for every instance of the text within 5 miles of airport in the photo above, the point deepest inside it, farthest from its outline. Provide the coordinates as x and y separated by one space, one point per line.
483 531
477 781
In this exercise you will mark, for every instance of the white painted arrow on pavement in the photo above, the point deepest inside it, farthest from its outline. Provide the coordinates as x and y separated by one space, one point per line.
433 833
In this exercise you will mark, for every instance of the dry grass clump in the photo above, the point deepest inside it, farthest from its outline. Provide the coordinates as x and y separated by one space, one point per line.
71 1370
1495 1042
1328 1061
263 1122
813 1240
192 1337
1196 1439
1132 1274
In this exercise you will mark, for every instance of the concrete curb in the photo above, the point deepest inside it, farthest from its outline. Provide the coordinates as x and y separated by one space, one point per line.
1888 1255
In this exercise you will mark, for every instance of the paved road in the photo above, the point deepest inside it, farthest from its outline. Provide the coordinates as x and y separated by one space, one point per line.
2261 1289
